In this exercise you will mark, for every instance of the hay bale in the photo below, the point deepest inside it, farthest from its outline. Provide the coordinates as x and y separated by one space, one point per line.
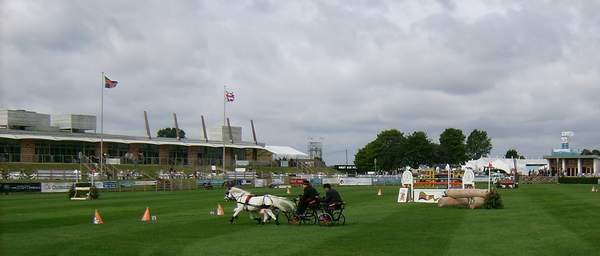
477 202
450 202
466 193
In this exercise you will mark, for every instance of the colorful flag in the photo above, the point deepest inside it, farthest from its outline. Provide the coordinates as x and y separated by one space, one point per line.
229 96
109 83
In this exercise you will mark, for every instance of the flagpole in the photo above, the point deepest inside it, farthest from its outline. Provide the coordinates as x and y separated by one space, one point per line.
101 128
222 135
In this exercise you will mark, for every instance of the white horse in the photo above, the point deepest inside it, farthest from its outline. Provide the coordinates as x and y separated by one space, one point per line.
254 204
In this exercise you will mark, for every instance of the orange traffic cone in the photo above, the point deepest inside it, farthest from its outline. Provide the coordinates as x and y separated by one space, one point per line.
288 191
220 210
379 193
146 216
97 218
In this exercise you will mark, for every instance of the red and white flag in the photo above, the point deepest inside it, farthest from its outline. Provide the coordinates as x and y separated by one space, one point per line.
229 96
109 83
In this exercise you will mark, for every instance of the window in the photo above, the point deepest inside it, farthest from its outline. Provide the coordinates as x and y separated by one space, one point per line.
178 155
117 150
10 150
149 153
62 152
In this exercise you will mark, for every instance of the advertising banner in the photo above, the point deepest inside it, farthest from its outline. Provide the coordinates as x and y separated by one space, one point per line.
259 183
21 187
242 162
126 183
315 181
296 181
333 181
386 181
109 184
428 195
99 184
144 183
277 181
356 181
54 187
214 182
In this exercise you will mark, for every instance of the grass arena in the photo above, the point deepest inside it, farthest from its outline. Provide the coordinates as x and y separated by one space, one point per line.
537 219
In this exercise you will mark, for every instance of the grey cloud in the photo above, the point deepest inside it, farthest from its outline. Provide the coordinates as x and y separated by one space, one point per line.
342 70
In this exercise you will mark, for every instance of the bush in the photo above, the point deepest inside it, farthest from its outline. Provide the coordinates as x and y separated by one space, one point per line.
493 200
578 180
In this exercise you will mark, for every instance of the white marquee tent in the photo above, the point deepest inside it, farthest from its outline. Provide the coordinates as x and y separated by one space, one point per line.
280 152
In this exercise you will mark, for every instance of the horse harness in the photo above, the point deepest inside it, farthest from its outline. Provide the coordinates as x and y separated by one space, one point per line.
247 203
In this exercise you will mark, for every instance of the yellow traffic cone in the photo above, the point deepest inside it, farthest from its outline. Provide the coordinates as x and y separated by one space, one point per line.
379 192
97 218
146 216
220 210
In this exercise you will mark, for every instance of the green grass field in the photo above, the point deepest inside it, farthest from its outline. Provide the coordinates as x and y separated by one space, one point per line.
537 220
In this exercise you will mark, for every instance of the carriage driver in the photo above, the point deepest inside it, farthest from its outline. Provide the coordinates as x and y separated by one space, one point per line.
310 196
332 197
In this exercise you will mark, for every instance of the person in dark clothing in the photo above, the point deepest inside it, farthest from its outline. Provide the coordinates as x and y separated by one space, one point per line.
310 196
332 199
331 195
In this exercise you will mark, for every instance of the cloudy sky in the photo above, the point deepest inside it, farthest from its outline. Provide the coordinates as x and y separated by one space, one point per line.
336 70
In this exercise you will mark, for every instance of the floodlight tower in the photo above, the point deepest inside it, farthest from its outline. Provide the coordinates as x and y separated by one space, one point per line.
564 139
315 147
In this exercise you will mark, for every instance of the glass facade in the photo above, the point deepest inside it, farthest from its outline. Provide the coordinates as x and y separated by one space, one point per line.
117 150
149 153
10 150
62 152
178 155
239 153
45 151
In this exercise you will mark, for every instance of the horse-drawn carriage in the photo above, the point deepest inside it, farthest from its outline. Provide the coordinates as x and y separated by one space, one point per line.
270 206
322 213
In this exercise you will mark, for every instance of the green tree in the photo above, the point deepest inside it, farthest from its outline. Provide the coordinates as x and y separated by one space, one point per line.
387 148
513 153
419 150
170 133
587 152
478 144
452 146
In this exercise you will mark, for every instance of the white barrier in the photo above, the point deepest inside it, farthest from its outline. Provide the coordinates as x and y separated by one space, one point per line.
54 187
332 181
144 183
356 181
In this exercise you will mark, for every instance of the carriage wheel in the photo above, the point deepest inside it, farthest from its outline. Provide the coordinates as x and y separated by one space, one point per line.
290 217
340 218
310 217
325 219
